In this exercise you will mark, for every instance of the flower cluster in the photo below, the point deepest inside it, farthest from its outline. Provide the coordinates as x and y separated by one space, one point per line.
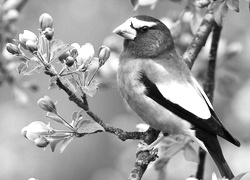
79 65
43 135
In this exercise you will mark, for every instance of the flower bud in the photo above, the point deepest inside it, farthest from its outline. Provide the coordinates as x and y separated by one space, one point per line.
70 61
202 3
31 46
36 129
47 104
63 56
41 142
45 21
103 54
27 35
13 49
48 33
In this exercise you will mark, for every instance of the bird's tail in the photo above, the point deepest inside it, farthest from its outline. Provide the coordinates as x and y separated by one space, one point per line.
212 144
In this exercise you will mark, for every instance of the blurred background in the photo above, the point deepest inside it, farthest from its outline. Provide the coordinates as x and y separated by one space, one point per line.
103 156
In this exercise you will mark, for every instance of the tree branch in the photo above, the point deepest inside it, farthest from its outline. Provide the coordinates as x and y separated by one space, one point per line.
199 40
209 88
121 134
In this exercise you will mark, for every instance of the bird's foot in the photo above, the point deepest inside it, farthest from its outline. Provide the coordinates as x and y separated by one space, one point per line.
151 147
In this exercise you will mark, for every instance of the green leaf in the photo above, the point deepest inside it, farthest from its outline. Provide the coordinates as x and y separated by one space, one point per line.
239 176
74 116
66 142
22 67
33 67
233 5
190 154
91 89
54 140
53 144
88 126
220 11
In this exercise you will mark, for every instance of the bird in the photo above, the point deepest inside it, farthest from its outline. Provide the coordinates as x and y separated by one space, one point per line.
160 88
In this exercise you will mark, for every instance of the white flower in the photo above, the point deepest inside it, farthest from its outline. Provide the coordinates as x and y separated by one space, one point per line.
36 130
27 35
85 54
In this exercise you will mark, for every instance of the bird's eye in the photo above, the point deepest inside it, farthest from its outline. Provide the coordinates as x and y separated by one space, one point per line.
144 28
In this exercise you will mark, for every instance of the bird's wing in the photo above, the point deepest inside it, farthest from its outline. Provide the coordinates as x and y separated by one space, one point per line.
186 102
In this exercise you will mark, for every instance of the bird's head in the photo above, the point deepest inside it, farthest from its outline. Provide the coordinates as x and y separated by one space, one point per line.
145 37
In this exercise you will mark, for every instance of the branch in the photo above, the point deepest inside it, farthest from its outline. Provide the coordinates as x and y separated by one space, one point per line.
199 40
209 88
121 134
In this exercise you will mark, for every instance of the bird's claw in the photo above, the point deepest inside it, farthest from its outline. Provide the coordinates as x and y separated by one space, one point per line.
142 147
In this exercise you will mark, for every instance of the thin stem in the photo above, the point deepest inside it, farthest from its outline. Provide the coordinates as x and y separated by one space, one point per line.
66 123
48 51
93 75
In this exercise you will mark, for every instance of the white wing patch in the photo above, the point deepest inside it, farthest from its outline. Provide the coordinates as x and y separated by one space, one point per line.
139 23
186 96
202 92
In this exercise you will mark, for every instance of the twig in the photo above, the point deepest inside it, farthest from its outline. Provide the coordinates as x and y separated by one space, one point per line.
209 88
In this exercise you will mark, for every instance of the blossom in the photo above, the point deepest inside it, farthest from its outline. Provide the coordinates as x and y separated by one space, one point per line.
28 36
47 104
85 54
36 130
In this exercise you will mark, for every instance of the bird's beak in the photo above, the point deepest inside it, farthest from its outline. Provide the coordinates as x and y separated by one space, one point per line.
125 30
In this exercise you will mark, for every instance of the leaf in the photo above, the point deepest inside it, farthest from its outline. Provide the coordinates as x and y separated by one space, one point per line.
233 5
76 116
88 126
54 140
53 144
91 89
190 154
220 11
33 68
239 176
66 142
22 67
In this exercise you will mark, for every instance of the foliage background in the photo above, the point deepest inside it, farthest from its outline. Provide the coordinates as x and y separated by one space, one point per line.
103 156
